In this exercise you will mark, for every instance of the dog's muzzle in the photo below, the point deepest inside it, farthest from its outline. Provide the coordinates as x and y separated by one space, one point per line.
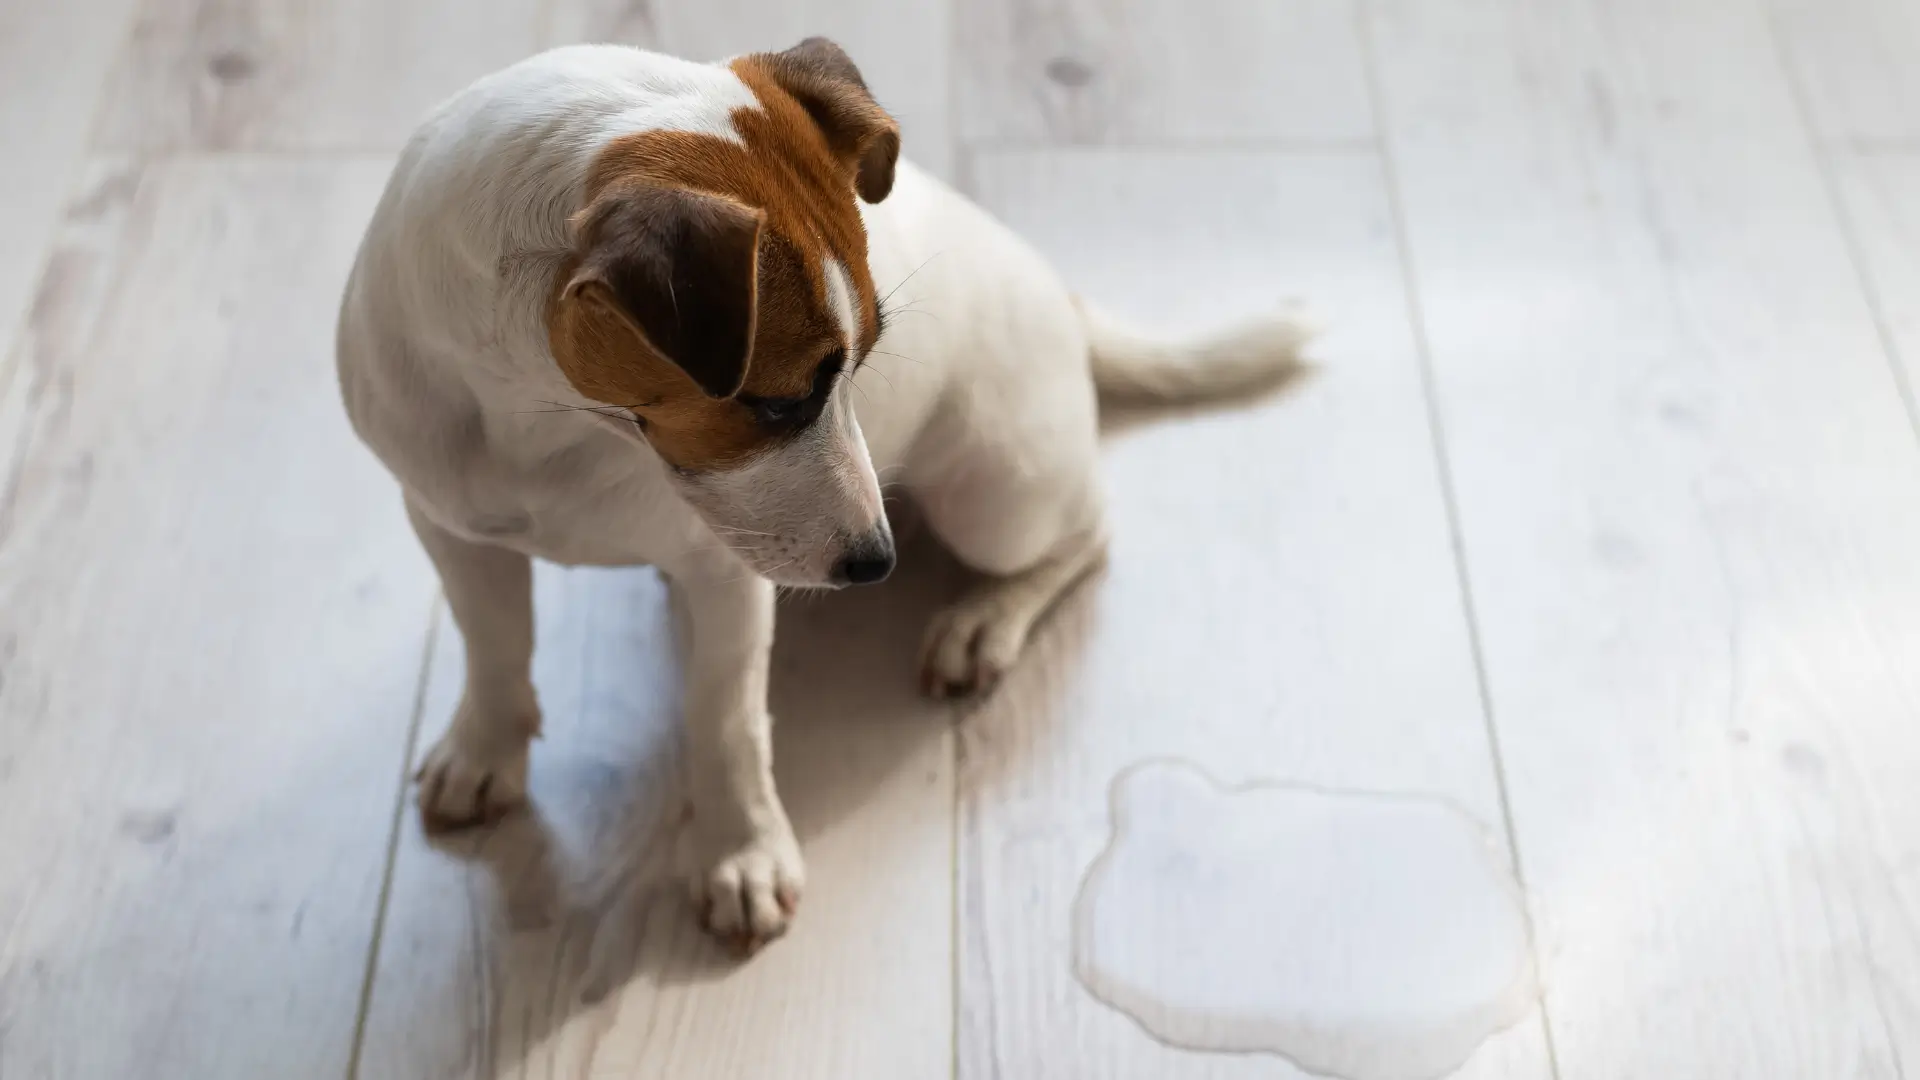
866 560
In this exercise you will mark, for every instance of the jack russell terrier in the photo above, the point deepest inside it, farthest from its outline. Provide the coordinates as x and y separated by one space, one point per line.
699 258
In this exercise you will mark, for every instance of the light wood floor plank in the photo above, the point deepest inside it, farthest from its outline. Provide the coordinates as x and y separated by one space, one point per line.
562 944
1854 98
55 57
1858 62
1281 602
212 618
901 47
298 75
1123 71
1882 198
1690 500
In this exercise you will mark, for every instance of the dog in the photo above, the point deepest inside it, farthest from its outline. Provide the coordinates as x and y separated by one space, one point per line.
695 261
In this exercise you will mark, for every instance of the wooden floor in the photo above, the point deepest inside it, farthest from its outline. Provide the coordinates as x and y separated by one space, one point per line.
1600 520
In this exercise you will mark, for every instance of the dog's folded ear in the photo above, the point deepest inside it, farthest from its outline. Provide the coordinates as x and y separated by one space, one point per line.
821 76
681 268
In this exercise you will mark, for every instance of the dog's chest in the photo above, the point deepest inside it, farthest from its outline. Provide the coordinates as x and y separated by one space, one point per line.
585 504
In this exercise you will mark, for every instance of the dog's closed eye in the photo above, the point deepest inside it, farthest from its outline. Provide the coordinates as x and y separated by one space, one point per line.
774 412
795 412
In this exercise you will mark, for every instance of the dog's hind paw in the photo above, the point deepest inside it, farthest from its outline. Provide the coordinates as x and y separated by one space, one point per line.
970 645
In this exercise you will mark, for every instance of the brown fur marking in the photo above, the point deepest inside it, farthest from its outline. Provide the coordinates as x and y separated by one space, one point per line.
798 169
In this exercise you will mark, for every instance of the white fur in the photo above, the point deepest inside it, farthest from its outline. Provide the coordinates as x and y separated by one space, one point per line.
789 513
842 301
981 401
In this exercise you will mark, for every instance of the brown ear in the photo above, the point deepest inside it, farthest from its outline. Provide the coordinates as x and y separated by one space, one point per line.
822 77
682 268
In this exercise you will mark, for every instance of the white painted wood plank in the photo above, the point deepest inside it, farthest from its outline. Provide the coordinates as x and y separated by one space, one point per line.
1281 602
1690 501
1860 64
901 46
295 75
1127 71
211 621
1882 194
54 60
561 943
1852 66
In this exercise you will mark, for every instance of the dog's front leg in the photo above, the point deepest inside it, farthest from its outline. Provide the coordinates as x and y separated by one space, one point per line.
478 769
747 874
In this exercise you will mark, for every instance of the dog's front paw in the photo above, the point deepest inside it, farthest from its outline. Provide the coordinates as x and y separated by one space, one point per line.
466 781
747 896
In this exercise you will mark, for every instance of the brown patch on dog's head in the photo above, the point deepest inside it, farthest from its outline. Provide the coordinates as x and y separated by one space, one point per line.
703 292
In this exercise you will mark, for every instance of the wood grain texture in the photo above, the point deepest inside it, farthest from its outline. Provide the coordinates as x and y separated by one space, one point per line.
1690 502
1127 71
1857 60
562 943
1882 198
294 75
1281 601
1857 107
901 46
57 57
211 621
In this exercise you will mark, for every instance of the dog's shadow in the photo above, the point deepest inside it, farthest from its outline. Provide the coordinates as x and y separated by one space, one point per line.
530 943
526 942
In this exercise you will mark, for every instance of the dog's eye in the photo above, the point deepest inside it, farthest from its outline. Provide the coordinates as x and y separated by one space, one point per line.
776 410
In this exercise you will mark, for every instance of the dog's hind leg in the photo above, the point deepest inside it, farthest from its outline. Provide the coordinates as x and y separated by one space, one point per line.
478 769
971 643
1032 531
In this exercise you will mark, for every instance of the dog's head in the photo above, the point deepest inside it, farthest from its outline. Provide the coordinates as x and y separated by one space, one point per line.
718 296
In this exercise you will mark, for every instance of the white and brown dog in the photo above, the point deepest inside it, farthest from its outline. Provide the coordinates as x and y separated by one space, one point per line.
699 256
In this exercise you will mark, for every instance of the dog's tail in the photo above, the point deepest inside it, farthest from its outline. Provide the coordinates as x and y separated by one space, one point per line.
1256 355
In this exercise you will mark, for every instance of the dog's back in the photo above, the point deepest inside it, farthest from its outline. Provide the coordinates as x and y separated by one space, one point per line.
448 297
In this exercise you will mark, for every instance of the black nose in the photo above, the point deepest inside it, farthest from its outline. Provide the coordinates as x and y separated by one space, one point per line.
866 562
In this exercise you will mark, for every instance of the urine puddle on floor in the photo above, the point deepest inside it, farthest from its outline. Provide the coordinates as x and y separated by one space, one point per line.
1367 937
